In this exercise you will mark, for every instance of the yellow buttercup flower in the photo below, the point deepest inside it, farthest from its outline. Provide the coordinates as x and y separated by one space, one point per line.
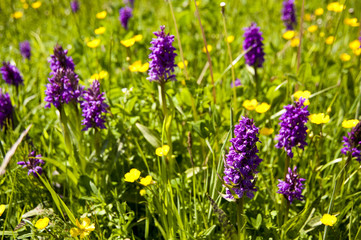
17 15
263 107
322 34
349 123
128 43
101 15
250 104
94 43
354 44
319 118
329 40
335 7
328 219
304 94
42 223
142 192
82 230
99 31
351 22
2 209
357 52
289 35
146 181
209 47
345 57
36 4
181 65
132 175
312 28
266 131
98 76
295 42
138 38
137 66
162 151
230 39
25 5
307 17
319 11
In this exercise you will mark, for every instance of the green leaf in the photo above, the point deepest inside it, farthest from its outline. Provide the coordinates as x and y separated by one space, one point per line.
149 135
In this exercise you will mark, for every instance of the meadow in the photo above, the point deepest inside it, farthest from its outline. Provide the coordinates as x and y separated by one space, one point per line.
180 119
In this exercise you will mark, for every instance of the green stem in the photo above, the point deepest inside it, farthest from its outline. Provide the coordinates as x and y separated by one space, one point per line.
256 78
165 122
241 220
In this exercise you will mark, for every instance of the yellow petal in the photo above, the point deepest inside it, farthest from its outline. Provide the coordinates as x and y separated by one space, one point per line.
209 48
319 118
288 35
138 37
146 181
74 232
266 131
319 11
128 42
162 151
2 209
99 31
25 5
101 15
36 4
144 67
312 28
230 39
250 104
94 43
263 107
17 15
132 175
142 192
181 65
329 40
295 42
350 123
42 223
357 52
328 219
354 44
307 17
345 57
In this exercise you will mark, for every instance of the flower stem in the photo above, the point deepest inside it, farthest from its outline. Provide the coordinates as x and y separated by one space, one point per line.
301 35
166 118
240 220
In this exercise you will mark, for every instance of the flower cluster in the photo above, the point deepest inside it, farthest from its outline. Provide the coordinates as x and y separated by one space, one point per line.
11 74
82 229
6 109
289 14
292 187
25 49
162 57
293 130
33 164
63 86
253 39
242 161
74 6
125 14
352 143
93 106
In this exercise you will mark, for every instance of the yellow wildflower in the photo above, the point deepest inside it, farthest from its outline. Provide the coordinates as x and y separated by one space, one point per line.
101 15
138 38
322 34
98 76
42 223
295 42
82 230
99 31
312 28
146 181
209 48
335 7
94 43
351 22
289 35
329 40
138 67
17 15
349 123
319 11
132 175
304 94
230 39
25 5
357 52
328 219
307 17
263 107
319 118
354 44
345 57
162 151
250 104
128 42
181 65
36 4
2 209
266 131
142 192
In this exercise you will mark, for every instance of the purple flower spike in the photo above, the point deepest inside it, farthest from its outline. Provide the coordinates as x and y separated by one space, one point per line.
237 83
11 74
63 86
253 39
33 164
6 109
289 14
125 14
93 106
293 130
161 66
352 143
242 161
74 6
292 187
25 49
